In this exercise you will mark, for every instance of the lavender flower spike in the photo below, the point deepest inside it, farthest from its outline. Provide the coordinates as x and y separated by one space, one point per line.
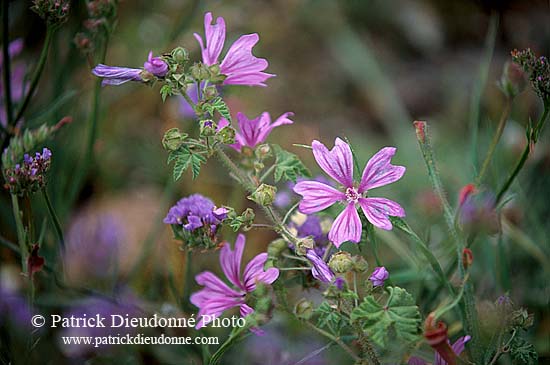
379 276
338 164
239 66
217 297
155 65
255 131
113 75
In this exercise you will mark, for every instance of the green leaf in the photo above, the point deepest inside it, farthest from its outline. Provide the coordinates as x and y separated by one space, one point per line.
165 91
217 104
184 158
399 314
330 318
288 166
522 352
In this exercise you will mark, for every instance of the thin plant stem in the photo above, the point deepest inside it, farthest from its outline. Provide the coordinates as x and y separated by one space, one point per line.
267 172
496 138
468 309
287 215
335 339
6 65
37 73
55 220
294 268
20 232
294 257
523 157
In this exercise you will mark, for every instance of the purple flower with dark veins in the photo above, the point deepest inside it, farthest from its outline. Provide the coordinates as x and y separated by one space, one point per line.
217 297
338 164
252 132
155 65
239 65
379 276
320 269
113 75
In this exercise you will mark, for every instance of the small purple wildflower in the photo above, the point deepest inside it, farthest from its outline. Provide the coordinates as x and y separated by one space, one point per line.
320 269
338 164
113 75
340 283
379 276
458 348
252 132
195 211
239 66
30 176
155 65
217 297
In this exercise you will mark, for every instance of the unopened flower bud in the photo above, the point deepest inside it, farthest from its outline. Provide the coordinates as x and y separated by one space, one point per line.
180 55
207 128
248 217
303 245
264 195
226 135
263 151
210 92
277 247
379 276
341 262
359 264
173 139
467 258
304 309
200 72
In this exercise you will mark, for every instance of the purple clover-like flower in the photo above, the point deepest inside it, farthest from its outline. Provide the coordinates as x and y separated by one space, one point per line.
338 164
217 297
155 65
320 269
458 348
379 276
239 66
195 211
113 75
254 131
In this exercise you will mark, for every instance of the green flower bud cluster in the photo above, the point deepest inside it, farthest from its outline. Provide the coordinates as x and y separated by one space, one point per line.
264 195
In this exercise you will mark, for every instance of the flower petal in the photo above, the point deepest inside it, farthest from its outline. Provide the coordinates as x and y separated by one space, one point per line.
215 38
215 307
346 227
240 66
320 269
254 272
316 196
459 345
266 129
214 284
379 171
230 261
337 163
377 211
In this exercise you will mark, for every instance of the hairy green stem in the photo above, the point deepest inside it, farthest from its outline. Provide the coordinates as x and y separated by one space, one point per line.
37 73
495 140
20 232
468 309
524 155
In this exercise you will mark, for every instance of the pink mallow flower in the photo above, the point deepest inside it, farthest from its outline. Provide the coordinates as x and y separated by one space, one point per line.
252 132
379 276
239 66
155 65
338 164
217 297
